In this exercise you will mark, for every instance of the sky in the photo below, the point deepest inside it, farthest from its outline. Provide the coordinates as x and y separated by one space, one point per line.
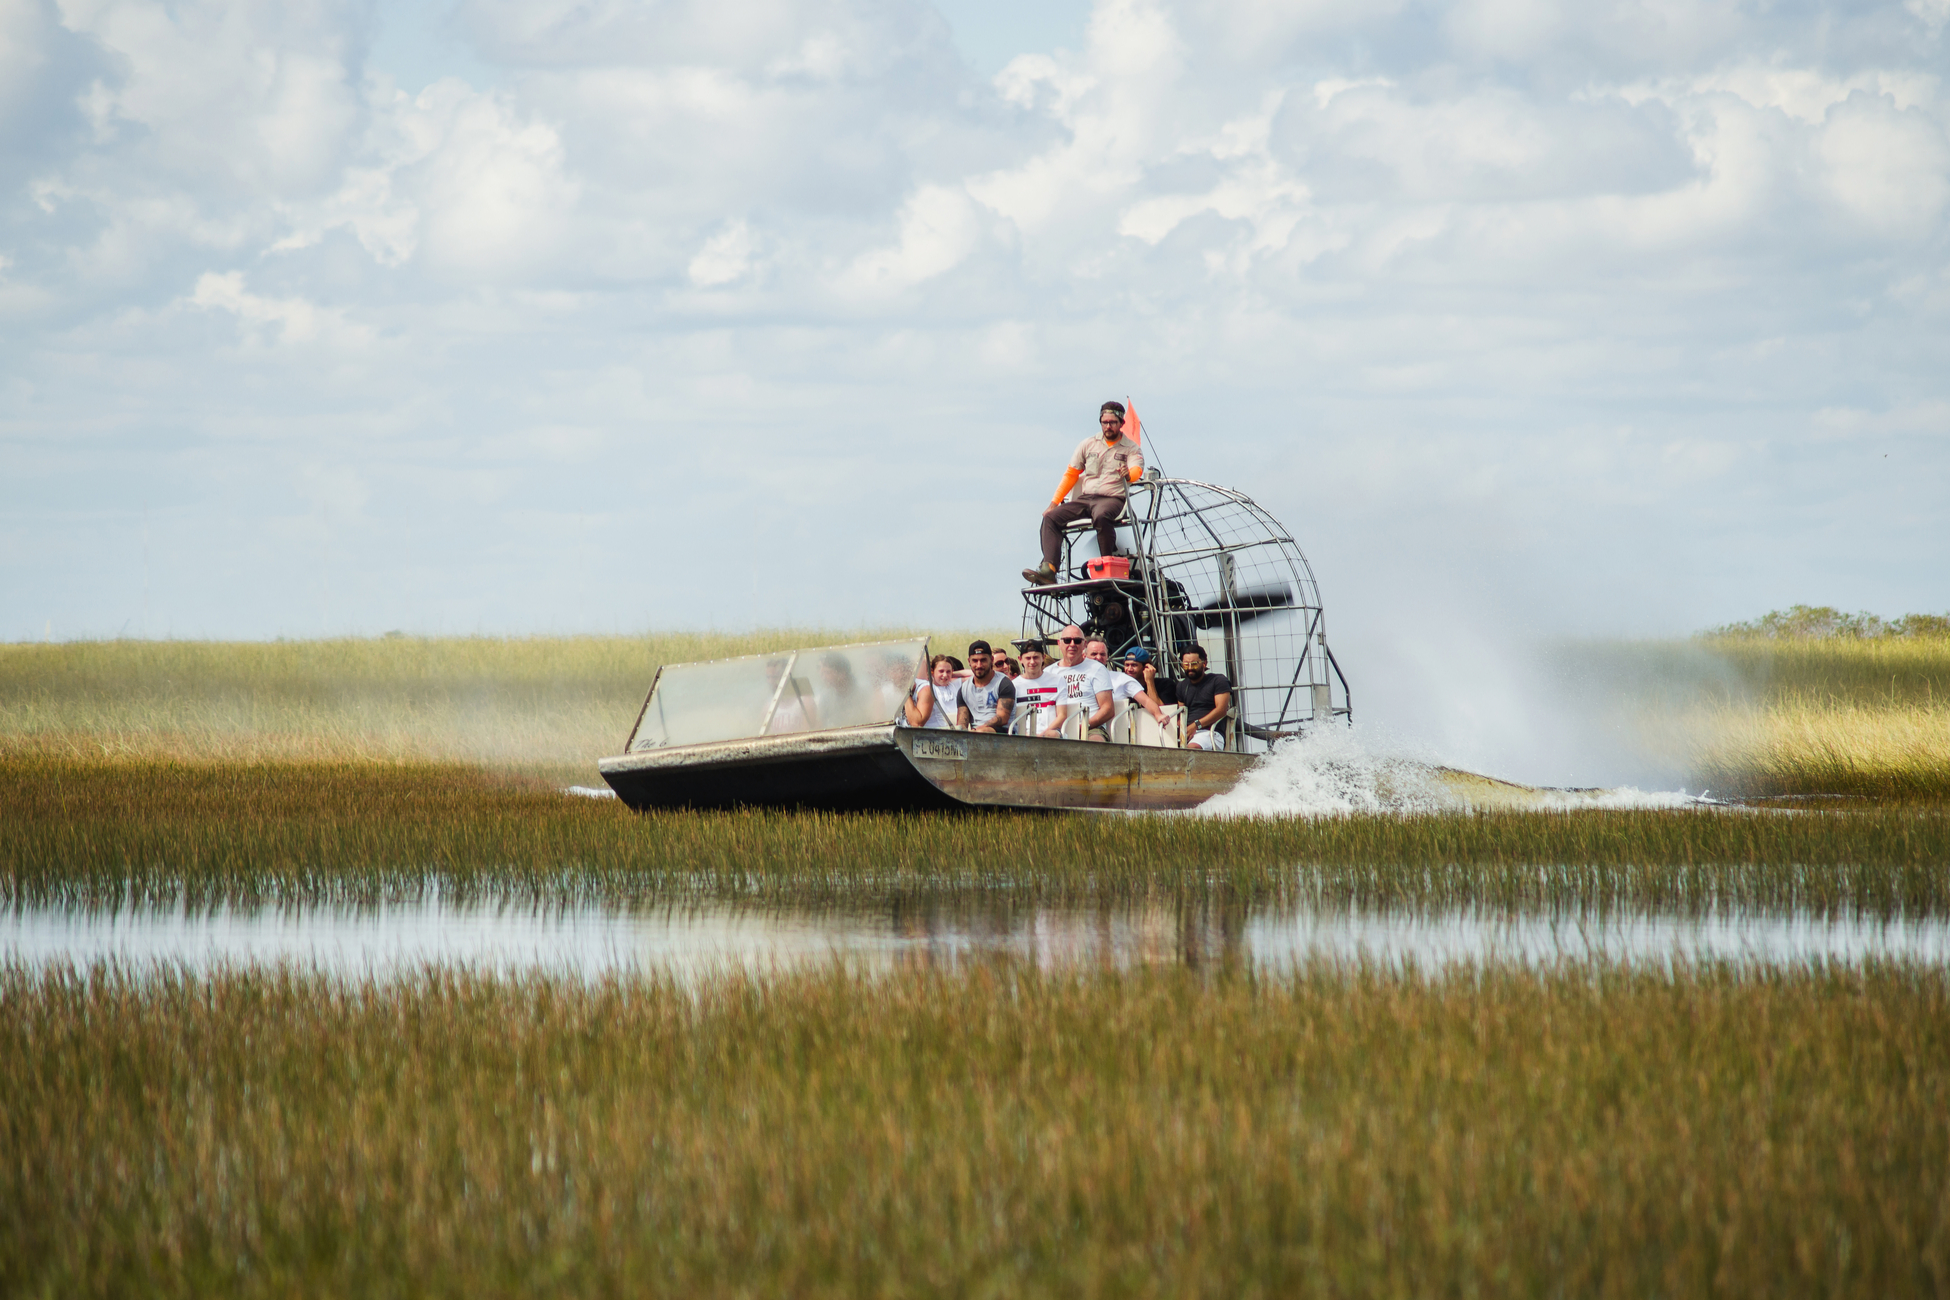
1529 319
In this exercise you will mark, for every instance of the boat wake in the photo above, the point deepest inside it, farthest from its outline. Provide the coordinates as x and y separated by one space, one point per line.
1339 771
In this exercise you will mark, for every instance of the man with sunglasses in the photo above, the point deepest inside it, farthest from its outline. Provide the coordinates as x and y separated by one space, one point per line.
1100 471
1086 687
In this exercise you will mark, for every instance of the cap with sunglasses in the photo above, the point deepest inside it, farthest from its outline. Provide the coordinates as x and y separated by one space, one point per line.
1138 653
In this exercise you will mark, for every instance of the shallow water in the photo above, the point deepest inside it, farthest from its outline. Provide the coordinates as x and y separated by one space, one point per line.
594 940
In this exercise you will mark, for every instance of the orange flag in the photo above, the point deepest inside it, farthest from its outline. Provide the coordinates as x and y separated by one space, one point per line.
1132 429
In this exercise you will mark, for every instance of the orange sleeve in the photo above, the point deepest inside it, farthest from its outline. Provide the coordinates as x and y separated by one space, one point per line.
1070 477
1136 472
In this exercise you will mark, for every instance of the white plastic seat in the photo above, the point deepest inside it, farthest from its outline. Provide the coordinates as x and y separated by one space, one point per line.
1143 729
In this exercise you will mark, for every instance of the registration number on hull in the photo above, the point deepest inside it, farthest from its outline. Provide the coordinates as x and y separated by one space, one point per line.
955 747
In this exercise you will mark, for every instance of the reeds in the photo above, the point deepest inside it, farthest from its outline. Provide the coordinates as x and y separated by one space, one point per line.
1866 718
1801 745
1590 1131
1887 672
552 704
100 834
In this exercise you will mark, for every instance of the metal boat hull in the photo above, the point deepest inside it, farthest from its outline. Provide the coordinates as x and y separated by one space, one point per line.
909 769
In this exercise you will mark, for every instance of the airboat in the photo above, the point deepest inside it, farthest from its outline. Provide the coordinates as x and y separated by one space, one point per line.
819 727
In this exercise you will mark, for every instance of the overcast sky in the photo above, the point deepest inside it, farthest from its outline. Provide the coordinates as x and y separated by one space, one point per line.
531 315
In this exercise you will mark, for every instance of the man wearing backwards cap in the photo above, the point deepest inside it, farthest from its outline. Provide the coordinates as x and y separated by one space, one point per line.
1099 471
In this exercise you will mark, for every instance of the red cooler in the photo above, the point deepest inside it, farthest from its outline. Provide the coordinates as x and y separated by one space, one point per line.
1109 566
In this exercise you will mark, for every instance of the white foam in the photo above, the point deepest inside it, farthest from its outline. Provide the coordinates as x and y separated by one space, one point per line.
1338 771
590 792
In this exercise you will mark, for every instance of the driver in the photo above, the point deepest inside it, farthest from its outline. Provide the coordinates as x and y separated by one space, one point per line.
1100 471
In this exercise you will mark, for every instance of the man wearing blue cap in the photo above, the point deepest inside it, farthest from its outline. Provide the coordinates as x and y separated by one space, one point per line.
1128 685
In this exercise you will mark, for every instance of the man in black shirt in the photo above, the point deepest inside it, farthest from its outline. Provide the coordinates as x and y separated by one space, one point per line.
1207 698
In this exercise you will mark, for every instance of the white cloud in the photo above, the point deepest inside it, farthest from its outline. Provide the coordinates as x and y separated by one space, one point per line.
280 320
253 95
1888 167
725 257
939 227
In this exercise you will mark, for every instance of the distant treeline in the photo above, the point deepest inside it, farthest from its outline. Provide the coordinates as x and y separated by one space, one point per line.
1824 622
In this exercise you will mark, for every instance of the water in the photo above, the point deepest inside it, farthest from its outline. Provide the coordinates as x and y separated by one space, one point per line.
1338 771
592 940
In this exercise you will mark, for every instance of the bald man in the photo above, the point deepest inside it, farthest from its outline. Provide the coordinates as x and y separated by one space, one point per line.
1085 685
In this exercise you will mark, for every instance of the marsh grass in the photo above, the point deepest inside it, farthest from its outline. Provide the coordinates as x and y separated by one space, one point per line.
1742 715
1592 1131
105 833
543 704
1889 672
1750 716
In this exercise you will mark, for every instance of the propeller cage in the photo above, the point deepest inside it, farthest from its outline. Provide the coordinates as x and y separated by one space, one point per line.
1209 567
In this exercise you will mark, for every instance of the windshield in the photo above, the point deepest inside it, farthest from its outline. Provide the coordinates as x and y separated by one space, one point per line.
775 694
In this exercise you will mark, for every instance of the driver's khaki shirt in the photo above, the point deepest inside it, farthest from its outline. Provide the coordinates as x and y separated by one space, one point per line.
1105 466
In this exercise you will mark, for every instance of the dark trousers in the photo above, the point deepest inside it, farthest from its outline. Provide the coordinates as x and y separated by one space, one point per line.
1101 511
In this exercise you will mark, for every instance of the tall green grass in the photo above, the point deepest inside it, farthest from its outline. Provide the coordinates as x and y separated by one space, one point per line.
1589 1132
105 833
1756 716
552 704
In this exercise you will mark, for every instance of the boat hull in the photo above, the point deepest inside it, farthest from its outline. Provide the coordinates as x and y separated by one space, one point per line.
909 769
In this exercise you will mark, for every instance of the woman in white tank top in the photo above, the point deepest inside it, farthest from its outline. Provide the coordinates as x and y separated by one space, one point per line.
932 702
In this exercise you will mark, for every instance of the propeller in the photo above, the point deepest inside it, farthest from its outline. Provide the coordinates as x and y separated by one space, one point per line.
1250 604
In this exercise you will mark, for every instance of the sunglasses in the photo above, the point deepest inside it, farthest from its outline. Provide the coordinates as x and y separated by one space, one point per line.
1069 640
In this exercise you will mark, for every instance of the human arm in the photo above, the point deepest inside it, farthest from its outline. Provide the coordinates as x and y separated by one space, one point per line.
1106 705
1005 703
1221 705
1060 713
919 706
1070 477
1150 706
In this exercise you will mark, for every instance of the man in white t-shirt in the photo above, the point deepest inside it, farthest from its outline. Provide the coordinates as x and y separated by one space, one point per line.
1123 685
1036 691
1087 688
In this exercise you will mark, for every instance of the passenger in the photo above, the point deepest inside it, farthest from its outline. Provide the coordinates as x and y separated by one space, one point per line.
987 697
1036 691
839 695
1086 688
1101 470
793 708
1137 663
1124 685
892 691
1006 666
932 700
1207 698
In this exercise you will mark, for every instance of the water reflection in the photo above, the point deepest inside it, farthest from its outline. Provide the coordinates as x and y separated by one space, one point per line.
687 940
